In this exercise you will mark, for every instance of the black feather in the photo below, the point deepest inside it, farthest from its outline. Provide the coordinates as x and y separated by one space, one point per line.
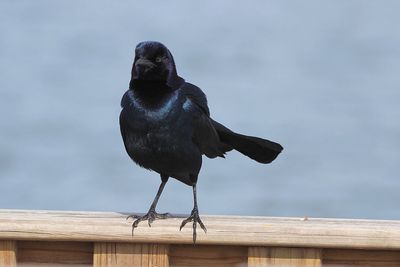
166 126
261 150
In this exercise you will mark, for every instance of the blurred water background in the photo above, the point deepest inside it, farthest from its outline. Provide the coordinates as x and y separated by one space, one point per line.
320 77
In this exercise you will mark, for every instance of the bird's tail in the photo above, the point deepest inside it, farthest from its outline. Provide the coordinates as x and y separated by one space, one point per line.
261 150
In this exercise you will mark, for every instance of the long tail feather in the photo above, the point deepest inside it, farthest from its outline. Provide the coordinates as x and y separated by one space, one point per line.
261 150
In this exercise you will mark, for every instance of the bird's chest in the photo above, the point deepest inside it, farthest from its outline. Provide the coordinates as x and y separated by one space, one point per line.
159 129
158 139
155 116
161 148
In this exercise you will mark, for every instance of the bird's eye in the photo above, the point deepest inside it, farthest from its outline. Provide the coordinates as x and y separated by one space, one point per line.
158 59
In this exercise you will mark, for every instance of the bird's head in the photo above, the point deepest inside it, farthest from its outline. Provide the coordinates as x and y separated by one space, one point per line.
154 63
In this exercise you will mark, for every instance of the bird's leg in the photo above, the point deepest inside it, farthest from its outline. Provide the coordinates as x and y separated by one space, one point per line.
151 215
194 217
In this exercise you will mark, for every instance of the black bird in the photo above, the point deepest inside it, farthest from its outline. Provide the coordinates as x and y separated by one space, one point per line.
166 127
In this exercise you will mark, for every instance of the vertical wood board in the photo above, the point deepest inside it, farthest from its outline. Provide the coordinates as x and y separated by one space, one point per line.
127 254
30 252
277 256
8 253
200 255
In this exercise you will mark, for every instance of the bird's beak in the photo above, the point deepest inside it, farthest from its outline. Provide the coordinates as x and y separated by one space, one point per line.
147 64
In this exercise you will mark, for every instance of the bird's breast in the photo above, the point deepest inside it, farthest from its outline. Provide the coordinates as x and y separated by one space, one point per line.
160 137
157 112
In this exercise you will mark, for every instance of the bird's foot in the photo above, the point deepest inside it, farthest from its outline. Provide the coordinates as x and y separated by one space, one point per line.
195 218
151 216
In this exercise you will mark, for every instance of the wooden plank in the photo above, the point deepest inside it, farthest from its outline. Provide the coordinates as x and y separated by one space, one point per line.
359 257
30 252
264 256
222 230
199 255
8 253
127 254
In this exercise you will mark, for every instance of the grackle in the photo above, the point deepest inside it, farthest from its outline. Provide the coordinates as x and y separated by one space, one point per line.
166 127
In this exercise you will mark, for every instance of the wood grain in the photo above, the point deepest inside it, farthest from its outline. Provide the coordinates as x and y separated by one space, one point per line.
199 256
30 252
8 253
265 256
361 257
126 254
222 230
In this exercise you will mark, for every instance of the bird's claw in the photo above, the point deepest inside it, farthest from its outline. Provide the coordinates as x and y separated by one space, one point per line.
195 218
150 216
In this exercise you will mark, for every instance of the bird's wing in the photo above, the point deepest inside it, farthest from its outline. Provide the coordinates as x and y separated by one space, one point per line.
123 118
124 123
196 96
204 134
128 120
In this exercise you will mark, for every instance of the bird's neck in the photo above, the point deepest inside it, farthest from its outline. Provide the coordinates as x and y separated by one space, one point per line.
151 94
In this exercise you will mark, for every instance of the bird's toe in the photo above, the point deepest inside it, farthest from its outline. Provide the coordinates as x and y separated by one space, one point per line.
163 215
184 222
150 216
195 218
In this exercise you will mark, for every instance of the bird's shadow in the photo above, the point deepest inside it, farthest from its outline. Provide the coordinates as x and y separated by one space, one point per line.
172 215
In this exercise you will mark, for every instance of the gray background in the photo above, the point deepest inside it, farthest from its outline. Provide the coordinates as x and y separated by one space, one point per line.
321 78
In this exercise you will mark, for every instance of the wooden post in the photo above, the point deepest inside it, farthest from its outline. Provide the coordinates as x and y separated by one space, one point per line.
264 256
8 253
127 254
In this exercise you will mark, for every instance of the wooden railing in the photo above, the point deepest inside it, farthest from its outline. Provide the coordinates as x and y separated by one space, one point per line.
105 239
